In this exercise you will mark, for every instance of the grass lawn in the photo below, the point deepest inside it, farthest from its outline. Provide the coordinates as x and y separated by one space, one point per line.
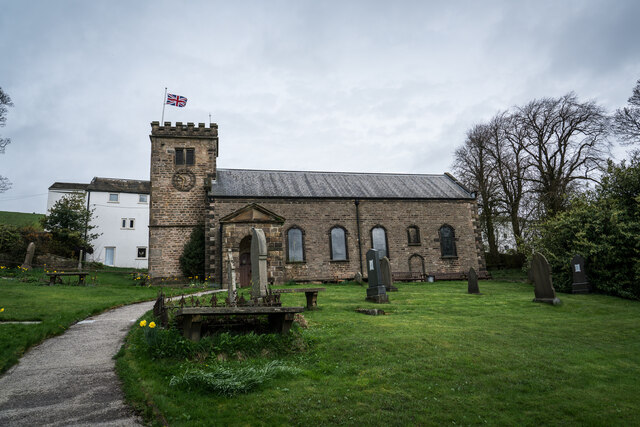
21 219
439 357
58 306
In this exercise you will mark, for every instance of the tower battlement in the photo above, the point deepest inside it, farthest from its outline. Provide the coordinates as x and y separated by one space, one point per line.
189 130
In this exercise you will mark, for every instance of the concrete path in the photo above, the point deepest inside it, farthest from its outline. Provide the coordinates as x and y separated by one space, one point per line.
70 379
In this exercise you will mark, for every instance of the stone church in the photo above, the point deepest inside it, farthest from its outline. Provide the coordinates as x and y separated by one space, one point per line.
318 225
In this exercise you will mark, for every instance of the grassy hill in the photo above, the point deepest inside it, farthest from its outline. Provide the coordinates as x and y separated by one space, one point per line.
21 219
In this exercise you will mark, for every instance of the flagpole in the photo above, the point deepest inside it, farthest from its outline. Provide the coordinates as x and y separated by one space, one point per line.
164 102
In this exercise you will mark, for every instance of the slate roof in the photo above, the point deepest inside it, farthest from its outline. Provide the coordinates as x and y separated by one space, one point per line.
289 184
120 185
68 186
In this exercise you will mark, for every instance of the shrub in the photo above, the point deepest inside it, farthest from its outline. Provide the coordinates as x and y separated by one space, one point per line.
192 258
11 242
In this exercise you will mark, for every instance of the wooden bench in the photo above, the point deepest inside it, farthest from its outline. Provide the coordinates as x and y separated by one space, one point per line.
57 277
310 293
408 276
280 318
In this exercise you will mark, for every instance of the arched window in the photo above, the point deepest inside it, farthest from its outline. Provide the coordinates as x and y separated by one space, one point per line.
448 241
338 240
413 235
295 246
379 240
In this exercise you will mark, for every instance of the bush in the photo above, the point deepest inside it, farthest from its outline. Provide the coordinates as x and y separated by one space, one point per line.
192 258
11 242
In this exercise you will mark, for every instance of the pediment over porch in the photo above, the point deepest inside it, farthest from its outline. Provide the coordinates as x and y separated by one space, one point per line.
252 213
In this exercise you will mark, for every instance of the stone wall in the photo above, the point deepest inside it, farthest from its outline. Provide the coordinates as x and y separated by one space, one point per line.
178 196
316 217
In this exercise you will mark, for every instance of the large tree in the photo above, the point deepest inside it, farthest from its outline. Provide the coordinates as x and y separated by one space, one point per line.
474 167
626 121
69 222
567 143
5 101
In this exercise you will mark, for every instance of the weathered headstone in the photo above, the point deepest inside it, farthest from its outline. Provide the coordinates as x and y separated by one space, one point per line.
80 260
387 277
258 264
28 259
580 282
231 280
358 278
472 282
375 291
543 285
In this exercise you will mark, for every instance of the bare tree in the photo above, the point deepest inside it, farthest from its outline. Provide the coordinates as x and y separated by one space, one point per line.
5 101
473 166
626 121
511 169
567 142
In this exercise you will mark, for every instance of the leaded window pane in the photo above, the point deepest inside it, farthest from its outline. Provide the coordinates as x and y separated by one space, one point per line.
338 245
447 241
179 156
294 237
191 155
379 240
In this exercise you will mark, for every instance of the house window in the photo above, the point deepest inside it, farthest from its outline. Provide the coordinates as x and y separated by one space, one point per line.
114 197
143 198
338 244
185 156
128 223
295 249
142 252
447 241
413 235
379 240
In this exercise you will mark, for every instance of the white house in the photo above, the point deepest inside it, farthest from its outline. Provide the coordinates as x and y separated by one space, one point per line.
120 214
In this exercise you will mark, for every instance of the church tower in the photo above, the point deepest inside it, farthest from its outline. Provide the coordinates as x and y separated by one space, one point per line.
183 163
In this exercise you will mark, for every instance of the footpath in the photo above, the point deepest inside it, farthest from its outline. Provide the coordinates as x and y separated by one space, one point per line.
70 380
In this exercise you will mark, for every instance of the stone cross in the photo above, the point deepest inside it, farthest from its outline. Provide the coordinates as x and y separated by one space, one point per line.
387 277
258 264
541 273
472 282
580 282
28 259
231 280
375 291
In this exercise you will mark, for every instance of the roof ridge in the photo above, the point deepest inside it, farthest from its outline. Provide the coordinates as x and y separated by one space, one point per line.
333 172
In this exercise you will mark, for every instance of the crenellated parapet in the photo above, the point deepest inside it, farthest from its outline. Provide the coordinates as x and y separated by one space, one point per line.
181 130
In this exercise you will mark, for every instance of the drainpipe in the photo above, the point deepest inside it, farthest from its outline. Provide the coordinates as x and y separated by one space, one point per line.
357 203
86 226
220 257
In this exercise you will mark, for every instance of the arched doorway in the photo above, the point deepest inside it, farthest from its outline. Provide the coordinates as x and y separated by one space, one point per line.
416 264
245 262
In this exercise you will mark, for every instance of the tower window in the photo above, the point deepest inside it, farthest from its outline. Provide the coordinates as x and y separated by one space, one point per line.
185 156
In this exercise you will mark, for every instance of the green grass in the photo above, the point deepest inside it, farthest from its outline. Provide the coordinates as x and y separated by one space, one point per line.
439 357
21 219
25 298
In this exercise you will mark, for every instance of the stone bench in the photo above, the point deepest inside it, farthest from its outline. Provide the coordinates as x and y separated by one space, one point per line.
280 318
310 293
57 277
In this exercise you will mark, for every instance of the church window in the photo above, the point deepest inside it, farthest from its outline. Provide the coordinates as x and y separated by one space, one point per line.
413 235
338 244
448 241
185 156
295 247
379 240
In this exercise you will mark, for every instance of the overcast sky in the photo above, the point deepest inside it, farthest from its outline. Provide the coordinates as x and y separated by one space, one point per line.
343 85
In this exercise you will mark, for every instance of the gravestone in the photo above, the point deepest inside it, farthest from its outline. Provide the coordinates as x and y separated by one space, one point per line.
358 278
543 285
376 291
258 264
387 277
231 280
28 259
580 282
80 260
472 282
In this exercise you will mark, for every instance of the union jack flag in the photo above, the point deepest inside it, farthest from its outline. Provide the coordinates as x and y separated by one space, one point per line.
176 100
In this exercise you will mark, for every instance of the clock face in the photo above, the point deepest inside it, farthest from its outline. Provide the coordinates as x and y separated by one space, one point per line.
183 180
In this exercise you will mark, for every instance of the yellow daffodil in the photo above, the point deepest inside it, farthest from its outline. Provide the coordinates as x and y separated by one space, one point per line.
152 325
1 309
143 323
